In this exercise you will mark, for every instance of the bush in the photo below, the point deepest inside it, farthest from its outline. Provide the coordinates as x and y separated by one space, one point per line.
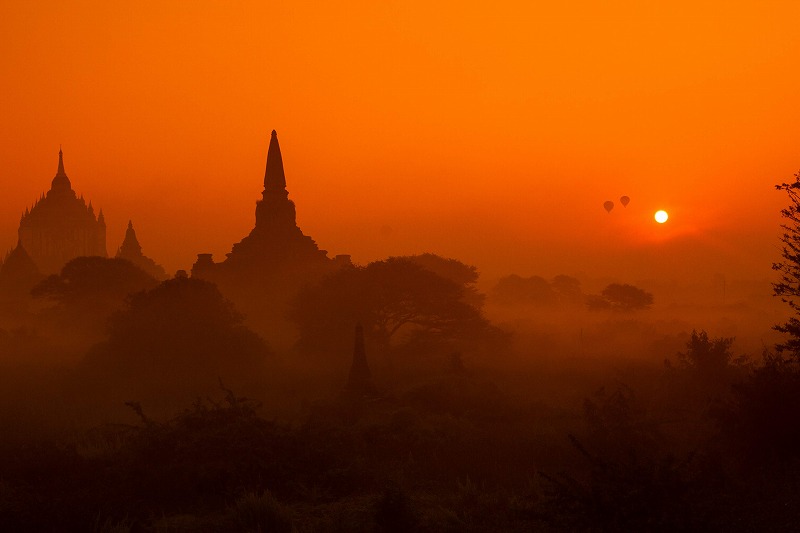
260 512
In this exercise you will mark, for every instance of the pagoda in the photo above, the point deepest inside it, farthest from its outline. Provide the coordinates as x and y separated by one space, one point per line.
264 272
60 226
131 250
276 243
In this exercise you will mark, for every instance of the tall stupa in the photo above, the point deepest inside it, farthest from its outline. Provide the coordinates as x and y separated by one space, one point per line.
276 243
264 271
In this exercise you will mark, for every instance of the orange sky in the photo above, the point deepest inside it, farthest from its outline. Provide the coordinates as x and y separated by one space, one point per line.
489 132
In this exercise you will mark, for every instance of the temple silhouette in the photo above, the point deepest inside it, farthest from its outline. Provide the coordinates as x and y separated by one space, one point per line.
276 242
60 226
264 270
131 250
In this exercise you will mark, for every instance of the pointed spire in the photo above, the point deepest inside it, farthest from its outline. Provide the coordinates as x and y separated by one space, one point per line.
60 181
274 178
130 247
60 170
101 218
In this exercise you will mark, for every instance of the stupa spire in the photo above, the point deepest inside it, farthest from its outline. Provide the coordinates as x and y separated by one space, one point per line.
60 162
131 250
130 246
274 178
60 181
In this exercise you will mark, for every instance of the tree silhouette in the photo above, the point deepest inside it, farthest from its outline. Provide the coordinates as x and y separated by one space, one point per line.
387 297
762 420
183 327
454 270
788 287
710 358
87 291
93 281
620 297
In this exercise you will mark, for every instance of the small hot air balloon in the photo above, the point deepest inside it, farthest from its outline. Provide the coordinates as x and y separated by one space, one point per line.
624 201
609 205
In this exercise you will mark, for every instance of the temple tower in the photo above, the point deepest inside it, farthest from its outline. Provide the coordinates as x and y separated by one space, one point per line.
266 269
131 250
60 226
276 242
276 238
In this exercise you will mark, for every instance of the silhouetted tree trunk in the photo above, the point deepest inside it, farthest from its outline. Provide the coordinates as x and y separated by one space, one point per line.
788 288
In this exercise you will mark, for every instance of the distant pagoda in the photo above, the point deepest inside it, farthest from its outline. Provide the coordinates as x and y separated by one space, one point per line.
60 226
131 250
276 243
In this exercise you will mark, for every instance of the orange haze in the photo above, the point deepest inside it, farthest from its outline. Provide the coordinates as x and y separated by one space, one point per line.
489 132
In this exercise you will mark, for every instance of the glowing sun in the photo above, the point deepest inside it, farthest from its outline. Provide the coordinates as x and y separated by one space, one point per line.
661 216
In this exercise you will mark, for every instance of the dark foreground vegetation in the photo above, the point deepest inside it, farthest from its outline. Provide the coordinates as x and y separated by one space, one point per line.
707 443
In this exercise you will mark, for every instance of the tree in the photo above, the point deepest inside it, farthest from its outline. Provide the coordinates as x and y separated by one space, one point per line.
388 297
454 270
708 356
711 361
620 297
514 289
87 291
182 328
788 286
92 282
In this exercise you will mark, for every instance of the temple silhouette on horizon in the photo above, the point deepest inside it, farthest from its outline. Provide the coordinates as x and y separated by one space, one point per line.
276 243
60 226
131 250
266 269
260 275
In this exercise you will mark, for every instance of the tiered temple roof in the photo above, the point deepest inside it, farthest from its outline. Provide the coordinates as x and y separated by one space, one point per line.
60 226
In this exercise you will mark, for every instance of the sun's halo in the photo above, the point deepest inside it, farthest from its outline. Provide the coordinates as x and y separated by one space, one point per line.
661 216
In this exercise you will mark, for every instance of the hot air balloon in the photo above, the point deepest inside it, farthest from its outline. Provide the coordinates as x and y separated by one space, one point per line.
609 205
624 201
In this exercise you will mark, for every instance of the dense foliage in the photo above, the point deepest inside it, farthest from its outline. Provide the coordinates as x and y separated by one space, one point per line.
397 301
788 287
620 297
181 336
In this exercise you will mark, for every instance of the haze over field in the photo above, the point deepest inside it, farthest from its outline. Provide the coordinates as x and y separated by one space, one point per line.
488 133
399 266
